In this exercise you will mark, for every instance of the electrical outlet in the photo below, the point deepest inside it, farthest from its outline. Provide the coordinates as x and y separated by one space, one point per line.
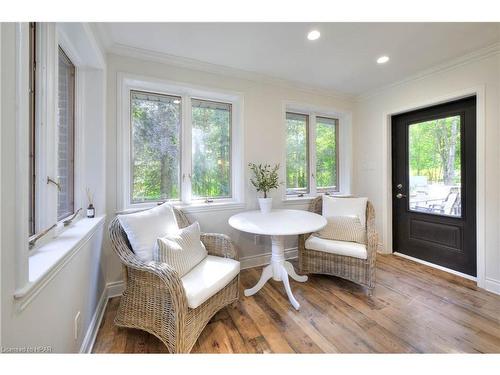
77 324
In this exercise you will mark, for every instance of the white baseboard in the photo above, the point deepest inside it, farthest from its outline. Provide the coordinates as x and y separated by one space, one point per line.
264 259
91 334
115 288
492 285
380 248
465 276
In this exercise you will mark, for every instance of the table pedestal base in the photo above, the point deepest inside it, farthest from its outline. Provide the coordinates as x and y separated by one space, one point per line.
279 270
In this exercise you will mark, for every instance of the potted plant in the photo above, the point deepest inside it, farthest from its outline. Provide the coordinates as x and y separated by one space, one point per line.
265 179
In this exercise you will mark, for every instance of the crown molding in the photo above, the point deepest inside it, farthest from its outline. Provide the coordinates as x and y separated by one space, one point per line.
480 54
183 62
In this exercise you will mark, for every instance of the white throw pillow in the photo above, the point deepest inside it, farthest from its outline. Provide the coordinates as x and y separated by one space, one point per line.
345 207
343 228
182 251
143 228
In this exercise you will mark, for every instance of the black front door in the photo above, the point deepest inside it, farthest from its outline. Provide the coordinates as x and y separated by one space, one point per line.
434 184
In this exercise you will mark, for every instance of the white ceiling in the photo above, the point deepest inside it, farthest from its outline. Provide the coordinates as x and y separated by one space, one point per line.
342 60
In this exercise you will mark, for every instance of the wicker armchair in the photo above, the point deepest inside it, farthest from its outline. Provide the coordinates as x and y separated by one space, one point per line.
154 299
360 271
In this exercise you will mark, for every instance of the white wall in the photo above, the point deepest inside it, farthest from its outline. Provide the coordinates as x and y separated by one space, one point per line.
48 319
263 137
369 134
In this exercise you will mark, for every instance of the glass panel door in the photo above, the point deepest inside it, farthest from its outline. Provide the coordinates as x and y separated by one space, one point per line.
434 157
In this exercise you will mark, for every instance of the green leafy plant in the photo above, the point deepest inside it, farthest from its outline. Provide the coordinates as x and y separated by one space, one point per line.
265 177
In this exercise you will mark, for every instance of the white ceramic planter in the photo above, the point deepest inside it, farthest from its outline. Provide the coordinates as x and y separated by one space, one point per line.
266 204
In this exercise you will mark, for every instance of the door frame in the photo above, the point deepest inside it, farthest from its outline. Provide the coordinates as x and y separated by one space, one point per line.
387 235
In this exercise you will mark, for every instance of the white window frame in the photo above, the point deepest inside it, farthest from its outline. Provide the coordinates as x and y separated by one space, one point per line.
34 269
127 83
344 148
49 38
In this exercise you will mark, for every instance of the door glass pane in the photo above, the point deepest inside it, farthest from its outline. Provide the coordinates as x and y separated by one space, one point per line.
211 143
297 175
434 157
326 154
156 149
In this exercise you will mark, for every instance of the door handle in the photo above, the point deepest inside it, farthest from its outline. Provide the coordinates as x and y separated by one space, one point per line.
400 196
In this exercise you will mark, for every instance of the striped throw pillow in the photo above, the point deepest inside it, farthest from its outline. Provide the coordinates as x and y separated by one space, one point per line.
343 228
183 250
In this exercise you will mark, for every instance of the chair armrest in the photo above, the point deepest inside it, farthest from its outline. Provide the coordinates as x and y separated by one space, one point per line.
155 276
219 245
372 243
371 233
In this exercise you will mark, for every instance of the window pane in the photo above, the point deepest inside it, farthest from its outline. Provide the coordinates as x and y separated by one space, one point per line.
66 134
211 145
435 166
297 175
156 150
326 154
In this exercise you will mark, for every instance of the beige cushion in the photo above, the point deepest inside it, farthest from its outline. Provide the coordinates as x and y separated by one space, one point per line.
351 249
143 228
207 278
343 228
333 206
182 250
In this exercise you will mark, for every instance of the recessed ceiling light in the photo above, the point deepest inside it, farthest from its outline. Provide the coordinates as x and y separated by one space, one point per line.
313 35
382 59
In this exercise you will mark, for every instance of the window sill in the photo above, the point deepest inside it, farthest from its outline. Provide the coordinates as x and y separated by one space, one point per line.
298 200
295 200
195 207
46 261
221 205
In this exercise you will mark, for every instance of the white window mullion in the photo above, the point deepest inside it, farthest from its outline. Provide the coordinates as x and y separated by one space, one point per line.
46 194
312 155
186 162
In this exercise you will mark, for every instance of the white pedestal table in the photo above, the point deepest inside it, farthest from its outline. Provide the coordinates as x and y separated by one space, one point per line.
278 224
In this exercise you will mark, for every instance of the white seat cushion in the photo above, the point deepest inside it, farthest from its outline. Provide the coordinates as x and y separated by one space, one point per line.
182 250
143 228
207 278
351 249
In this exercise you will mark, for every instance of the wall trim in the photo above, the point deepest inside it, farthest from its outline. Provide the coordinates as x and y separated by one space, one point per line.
112 289
115 288
492 285
258 260
479 92
474 56
188 63
143 54
95 323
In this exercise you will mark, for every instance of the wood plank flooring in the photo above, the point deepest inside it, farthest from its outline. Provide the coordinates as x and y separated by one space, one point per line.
414 309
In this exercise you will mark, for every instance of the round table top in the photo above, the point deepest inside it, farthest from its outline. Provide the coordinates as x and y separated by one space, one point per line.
277 222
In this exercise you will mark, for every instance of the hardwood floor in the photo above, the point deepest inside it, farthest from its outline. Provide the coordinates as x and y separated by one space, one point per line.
414 308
